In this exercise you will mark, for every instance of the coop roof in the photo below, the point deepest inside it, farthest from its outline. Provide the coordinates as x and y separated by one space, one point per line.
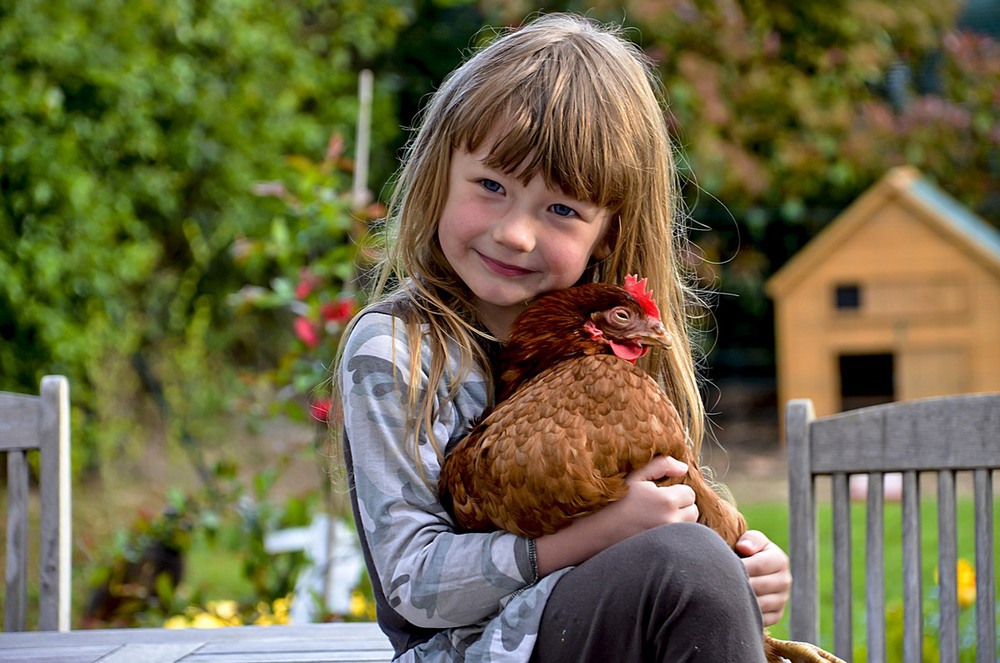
903 185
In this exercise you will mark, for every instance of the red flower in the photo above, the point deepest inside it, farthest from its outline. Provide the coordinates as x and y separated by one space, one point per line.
337 311
307 332
320 409
307 283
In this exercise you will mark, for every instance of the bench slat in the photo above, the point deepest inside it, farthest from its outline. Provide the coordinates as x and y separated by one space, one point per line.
875 567
985 571
842 599
79 654
16 596
912 585
909 436
947 571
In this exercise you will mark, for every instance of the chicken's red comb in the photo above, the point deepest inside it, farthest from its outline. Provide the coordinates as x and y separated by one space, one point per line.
637 289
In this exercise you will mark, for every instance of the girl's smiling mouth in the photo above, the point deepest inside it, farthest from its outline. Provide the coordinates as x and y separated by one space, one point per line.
502 268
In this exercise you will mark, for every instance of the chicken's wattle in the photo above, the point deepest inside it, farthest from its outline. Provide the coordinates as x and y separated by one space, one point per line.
628 350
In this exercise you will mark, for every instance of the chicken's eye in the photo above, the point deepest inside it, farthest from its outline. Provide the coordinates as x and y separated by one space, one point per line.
620 315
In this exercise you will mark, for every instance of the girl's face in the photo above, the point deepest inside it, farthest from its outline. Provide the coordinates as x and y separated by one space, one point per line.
509 242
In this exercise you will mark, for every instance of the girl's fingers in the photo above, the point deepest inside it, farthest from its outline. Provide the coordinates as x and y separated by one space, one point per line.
772 596
751 543
776 585
771 618
681 502
658 468
680 496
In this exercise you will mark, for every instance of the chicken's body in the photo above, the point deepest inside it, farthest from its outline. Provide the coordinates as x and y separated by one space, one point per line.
553 451
573 419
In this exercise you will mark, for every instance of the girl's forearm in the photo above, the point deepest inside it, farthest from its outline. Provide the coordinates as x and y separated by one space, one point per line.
573 545
644 506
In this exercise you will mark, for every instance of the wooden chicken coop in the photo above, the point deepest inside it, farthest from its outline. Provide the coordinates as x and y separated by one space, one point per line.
897 298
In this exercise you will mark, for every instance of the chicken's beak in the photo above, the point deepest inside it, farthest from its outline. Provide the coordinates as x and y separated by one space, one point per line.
656 335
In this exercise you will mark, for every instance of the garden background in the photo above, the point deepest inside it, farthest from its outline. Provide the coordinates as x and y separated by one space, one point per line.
179 235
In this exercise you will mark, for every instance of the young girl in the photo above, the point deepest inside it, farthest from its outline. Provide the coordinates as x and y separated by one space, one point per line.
541 162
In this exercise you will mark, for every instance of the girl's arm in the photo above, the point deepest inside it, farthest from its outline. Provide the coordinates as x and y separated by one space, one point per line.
430 575
644 506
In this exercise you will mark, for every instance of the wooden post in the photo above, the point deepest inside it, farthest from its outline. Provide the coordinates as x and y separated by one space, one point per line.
360 196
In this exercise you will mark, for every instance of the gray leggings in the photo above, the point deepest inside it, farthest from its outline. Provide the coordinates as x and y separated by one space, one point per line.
676 593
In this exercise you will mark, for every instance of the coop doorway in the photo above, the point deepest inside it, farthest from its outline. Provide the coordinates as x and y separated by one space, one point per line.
866 379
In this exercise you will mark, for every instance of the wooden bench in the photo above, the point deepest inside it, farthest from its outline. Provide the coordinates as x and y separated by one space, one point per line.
946 438
29 424
315 643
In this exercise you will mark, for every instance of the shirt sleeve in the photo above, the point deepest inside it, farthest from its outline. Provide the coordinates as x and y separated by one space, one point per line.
431 575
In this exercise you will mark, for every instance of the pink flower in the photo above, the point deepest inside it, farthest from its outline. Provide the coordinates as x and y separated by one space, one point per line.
337 311
244 249
307 332
320 409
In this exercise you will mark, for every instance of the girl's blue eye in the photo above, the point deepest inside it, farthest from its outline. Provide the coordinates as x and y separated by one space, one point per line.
563 210
491 185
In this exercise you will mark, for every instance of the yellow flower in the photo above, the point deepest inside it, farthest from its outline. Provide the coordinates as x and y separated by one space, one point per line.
228 611
966 581
359 604
281 607
966 584
205 620
177 621
276 613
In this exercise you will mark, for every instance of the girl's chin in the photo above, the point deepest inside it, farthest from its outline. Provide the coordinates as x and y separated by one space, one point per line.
501 292
501 308
508 302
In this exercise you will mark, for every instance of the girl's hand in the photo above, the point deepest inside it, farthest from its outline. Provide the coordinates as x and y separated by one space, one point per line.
768 568
647 505
644 506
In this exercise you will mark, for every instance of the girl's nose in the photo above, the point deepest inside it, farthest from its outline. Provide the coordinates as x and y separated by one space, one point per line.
515 233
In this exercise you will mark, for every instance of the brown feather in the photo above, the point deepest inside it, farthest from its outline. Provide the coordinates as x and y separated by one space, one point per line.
556 450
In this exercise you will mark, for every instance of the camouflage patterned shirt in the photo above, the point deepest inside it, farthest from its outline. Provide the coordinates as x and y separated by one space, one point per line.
440 595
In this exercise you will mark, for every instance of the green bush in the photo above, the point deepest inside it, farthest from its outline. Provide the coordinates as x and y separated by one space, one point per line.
131 134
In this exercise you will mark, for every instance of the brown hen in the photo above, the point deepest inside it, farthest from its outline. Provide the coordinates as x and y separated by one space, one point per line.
573 417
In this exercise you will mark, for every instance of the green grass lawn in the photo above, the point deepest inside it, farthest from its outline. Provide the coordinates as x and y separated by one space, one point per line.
772 518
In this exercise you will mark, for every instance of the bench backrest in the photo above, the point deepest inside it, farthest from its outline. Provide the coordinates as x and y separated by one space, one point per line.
39 424
949 438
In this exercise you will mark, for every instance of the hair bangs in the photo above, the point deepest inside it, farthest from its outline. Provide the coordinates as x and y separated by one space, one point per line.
556 120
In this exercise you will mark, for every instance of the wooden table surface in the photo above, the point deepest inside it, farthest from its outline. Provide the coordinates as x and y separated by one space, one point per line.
311 643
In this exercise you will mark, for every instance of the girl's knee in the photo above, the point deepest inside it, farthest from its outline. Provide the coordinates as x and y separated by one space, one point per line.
693 543
694 564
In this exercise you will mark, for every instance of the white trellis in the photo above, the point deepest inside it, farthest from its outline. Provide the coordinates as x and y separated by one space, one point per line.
332 570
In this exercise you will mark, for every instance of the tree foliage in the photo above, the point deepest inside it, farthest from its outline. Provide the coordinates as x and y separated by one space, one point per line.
782 103
130 136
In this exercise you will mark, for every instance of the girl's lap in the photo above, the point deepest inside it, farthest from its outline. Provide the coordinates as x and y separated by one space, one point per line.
670 593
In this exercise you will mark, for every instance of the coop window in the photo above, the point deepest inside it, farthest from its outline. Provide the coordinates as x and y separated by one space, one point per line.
847 297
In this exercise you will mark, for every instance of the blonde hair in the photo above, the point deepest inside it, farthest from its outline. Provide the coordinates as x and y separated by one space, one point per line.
580 107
